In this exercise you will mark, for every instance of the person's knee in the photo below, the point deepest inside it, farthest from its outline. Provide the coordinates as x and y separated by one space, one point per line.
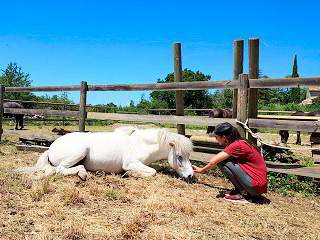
223 164
223 169
220 165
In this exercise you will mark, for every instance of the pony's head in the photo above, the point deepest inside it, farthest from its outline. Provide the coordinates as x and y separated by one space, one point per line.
180 148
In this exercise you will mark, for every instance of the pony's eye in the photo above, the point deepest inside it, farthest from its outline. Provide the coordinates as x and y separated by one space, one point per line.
180 158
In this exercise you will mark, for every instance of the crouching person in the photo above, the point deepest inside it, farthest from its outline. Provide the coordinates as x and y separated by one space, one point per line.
240 162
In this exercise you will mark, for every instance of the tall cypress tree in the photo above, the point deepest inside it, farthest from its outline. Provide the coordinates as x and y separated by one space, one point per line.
295 67
295 92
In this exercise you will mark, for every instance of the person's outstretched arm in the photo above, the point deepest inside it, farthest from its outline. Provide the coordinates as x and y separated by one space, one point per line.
213 162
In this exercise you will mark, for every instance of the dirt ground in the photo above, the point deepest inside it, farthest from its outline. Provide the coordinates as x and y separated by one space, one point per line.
160 207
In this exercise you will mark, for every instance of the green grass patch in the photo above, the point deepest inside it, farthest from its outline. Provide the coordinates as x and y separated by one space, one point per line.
289 185
307 161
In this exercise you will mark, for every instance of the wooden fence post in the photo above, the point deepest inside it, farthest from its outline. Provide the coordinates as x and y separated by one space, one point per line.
242 102
237 68
2 89
63 118
83 103
177 69
253 52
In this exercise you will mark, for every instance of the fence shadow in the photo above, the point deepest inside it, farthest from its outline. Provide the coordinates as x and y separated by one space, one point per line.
284 166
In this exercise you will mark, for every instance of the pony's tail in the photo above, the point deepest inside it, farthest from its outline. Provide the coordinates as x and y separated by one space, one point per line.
42 168
43 160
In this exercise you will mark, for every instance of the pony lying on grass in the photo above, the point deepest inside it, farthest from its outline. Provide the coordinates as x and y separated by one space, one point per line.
126 149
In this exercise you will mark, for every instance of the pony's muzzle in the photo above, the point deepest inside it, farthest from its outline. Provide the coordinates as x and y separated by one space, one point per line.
190 179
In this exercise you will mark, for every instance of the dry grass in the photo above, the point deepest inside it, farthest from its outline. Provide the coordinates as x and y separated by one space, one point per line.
161 207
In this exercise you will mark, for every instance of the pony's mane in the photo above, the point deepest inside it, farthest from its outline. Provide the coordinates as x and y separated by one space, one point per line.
160 135
126 129
183 143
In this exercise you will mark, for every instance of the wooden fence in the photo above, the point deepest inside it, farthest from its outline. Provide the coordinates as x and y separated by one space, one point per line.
205 111
245 102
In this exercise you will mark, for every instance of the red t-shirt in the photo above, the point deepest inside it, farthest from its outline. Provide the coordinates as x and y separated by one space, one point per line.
251 161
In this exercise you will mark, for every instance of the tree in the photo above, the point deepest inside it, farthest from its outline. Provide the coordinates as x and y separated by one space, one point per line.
13 77
295 95
267 96
64 98
295 92
264 94
192 98
222 99
295 67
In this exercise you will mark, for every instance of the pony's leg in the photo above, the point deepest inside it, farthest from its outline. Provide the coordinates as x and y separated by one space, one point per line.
210 129
17 121
138 169
21 122
65 167
298 138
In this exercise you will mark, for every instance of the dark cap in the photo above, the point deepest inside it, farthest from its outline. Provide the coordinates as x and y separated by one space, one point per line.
222 129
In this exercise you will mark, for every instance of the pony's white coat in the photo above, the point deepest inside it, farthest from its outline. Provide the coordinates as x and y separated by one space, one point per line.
125 149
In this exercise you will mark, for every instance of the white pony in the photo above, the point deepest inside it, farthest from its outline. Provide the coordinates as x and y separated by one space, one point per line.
126 149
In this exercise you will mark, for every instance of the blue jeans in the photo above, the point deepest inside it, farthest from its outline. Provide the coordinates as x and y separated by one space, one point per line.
239 178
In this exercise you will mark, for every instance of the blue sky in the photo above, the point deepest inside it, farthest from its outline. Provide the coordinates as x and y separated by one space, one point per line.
122 42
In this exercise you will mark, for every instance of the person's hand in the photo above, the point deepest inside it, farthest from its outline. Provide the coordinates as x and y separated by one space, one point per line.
196 169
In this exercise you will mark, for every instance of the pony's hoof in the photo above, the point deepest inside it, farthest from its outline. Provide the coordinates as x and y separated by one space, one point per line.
83 175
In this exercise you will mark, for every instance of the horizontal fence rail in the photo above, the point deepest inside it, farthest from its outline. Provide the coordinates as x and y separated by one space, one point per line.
315 93
50 120
42 112
43 89
54 103
173 109
284 82
165 86
191 120
229 84
209 109
307 126
310 118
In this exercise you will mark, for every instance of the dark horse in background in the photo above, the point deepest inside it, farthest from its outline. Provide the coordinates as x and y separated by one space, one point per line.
284 134
218 113
17 117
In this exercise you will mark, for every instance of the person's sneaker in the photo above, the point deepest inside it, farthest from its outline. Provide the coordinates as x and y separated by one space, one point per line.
238 198
231 192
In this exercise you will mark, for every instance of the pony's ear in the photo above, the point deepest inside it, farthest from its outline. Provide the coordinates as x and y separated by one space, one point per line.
172 144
